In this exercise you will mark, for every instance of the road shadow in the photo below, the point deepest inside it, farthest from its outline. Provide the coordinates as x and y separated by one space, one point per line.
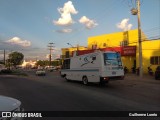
91 84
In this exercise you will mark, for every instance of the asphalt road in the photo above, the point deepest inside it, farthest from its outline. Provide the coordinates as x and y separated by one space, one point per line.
53 93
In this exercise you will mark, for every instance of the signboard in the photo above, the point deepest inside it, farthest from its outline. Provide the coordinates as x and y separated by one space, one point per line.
124 50
128 51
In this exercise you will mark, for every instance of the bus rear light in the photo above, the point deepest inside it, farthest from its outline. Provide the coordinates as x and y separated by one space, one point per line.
105 78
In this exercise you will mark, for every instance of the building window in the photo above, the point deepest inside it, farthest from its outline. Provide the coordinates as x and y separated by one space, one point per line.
155 60
67 54
94 46
104 45
152 60
124 43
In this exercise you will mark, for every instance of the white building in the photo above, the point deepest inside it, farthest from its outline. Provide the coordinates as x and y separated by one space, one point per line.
28 64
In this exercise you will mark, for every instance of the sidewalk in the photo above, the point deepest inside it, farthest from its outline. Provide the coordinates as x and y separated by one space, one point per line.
134 81
146 77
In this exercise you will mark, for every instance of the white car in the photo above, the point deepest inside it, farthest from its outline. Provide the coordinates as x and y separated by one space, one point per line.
8 104
51 68
41 72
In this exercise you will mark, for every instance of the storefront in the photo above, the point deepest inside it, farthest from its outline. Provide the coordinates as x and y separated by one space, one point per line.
127 44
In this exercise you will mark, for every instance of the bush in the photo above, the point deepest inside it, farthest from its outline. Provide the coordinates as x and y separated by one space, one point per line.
6 71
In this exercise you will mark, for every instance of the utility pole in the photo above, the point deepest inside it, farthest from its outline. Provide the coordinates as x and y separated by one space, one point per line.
140 40
50 49
137 12
4 57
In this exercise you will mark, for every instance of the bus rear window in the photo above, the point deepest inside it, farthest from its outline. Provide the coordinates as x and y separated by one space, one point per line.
112 59
111 56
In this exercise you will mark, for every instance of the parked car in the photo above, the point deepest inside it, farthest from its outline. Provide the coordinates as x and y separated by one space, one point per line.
41 72
157 73
51 68
10 105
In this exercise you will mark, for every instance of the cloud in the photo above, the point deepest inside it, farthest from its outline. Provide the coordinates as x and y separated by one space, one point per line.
19 41
87 22
123 25
66 12
64 31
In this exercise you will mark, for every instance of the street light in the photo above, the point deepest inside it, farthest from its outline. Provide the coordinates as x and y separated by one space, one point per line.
137 12
73 47
70 44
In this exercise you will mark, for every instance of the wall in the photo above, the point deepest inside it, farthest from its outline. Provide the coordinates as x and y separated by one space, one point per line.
150 48
114 39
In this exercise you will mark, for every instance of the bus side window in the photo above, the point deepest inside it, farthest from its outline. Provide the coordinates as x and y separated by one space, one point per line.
94 58
66 64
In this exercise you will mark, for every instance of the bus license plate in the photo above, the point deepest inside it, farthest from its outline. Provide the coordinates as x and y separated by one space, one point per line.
113 73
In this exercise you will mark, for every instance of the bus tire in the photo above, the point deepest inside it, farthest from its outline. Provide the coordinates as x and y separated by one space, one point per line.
65 77
85 80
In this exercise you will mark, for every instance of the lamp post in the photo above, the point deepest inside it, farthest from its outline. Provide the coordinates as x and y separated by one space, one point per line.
137 12
73 47
70 44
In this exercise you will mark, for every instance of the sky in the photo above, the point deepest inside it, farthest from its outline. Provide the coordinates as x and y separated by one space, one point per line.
28 26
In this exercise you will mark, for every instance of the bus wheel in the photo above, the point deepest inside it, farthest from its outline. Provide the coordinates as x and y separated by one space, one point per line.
85 80
66 78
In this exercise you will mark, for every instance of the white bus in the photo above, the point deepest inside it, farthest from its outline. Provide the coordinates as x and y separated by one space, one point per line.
98 66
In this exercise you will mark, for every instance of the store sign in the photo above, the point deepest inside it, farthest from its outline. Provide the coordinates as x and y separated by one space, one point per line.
128 51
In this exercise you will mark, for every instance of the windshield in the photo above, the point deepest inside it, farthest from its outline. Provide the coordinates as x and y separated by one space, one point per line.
113 59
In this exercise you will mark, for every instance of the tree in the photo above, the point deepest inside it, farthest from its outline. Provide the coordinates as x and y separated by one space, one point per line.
41 63
46 62
16 58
